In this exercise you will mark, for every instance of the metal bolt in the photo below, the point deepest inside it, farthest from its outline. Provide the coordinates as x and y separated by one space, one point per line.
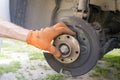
64 49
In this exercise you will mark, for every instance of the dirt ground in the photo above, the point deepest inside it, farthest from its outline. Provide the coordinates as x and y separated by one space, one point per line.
30 69
37 69
33 69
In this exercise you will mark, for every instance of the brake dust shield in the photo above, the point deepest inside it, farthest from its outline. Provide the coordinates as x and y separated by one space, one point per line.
79 53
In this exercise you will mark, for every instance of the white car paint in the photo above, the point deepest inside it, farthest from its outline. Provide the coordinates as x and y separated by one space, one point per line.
4 12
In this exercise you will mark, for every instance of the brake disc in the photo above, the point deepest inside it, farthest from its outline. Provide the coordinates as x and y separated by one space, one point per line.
79 53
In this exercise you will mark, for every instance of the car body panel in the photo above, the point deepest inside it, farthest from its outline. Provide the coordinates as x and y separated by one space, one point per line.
4 13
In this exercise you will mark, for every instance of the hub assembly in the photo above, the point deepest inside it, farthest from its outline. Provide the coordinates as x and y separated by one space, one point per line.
79 53
69 48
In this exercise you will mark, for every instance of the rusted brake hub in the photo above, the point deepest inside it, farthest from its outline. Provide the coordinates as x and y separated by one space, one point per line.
69 48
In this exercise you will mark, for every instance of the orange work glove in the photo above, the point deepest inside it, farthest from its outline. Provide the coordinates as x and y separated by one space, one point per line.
42 38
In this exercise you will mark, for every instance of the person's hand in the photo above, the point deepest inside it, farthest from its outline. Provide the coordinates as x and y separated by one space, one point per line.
42 38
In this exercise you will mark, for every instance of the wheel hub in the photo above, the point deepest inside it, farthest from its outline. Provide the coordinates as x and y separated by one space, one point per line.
69 48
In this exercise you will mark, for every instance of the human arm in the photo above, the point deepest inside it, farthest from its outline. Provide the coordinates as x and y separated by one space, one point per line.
39 38
10 30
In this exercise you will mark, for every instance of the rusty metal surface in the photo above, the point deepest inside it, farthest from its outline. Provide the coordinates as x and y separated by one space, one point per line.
106 5
69 47
118 5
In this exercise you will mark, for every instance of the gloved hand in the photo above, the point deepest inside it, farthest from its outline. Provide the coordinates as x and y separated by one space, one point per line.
42 38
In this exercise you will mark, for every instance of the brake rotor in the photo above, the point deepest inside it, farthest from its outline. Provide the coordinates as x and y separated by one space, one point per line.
79 53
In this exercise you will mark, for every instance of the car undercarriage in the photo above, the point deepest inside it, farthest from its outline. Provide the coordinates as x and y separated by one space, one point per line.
96 23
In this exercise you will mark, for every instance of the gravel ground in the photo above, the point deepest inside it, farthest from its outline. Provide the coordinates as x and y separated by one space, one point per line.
33 69
30 69
37 69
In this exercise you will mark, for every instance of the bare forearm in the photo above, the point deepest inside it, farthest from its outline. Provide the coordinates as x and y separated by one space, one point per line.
10 30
